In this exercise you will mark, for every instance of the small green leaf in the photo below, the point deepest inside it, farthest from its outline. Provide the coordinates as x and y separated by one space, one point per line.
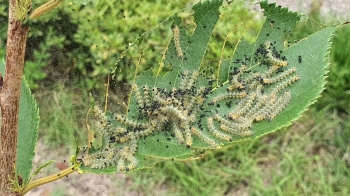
27 129
37 171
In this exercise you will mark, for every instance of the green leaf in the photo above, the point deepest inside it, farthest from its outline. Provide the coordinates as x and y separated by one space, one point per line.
37 171
261 88
27 129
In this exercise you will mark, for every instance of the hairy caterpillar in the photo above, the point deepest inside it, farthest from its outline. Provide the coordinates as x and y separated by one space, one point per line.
275 61
216 132
176 33
279 77
229 95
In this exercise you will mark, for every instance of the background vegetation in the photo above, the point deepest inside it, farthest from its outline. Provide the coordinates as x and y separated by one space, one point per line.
70 57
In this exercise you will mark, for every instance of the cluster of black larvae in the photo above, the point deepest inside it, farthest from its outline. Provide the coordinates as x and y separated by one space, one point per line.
190 111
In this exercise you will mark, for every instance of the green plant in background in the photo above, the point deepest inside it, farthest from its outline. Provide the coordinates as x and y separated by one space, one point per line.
33 70
63 123
337 92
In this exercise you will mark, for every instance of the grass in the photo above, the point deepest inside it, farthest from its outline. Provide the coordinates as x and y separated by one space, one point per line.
62 115
311 157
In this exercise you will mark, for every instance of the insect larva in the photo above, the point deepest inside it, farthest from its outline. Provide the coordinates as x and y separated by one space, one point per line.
273 60
102 119
188 136
125 138
147 99
145 132
120 165
195 100
245 123
87 161
235 85
236 125
272 98
286 83
269 72
247 133
259 118
176 32
204 138
280 76
133 143
178 134
133 162
124 152
236 132
128 122
253 77
184 80
272 108
229 95
172 111
192 80
280 105
242 69
261 101
215 132
243 106
138 95
223 120
103 160
120 130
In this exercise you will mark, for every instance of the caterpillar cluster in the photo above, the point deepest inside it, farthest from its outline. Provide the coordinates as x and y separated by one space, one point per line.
186 109
158 108
263 95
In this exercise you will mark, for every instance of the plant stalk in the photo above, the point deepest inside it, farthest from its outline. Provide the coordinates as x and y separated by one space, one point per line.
48 179
9 98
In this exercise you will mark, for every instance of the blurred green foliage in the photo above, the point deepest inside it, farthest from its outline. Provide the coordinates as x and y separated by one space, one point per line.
63 115
337 92
87 40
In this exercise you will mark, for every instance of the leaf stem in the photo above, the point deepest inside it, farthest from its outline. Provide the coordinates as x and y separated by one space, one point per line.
48 179
45 8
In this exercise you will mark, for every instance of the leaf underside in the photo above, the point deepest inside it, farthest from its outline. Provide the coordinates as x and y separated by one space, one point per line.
185 106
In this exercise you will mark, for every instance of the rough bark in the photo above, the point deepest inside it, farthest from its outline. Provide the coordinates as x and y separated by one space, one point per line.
9 99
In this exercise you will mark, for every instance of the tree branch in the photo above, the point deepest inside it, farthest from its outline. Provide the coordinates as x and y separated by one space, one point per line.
9 98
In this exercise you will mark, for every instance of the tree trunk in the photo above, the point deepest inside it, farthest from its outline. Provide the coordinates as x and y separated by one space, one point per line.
9 99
